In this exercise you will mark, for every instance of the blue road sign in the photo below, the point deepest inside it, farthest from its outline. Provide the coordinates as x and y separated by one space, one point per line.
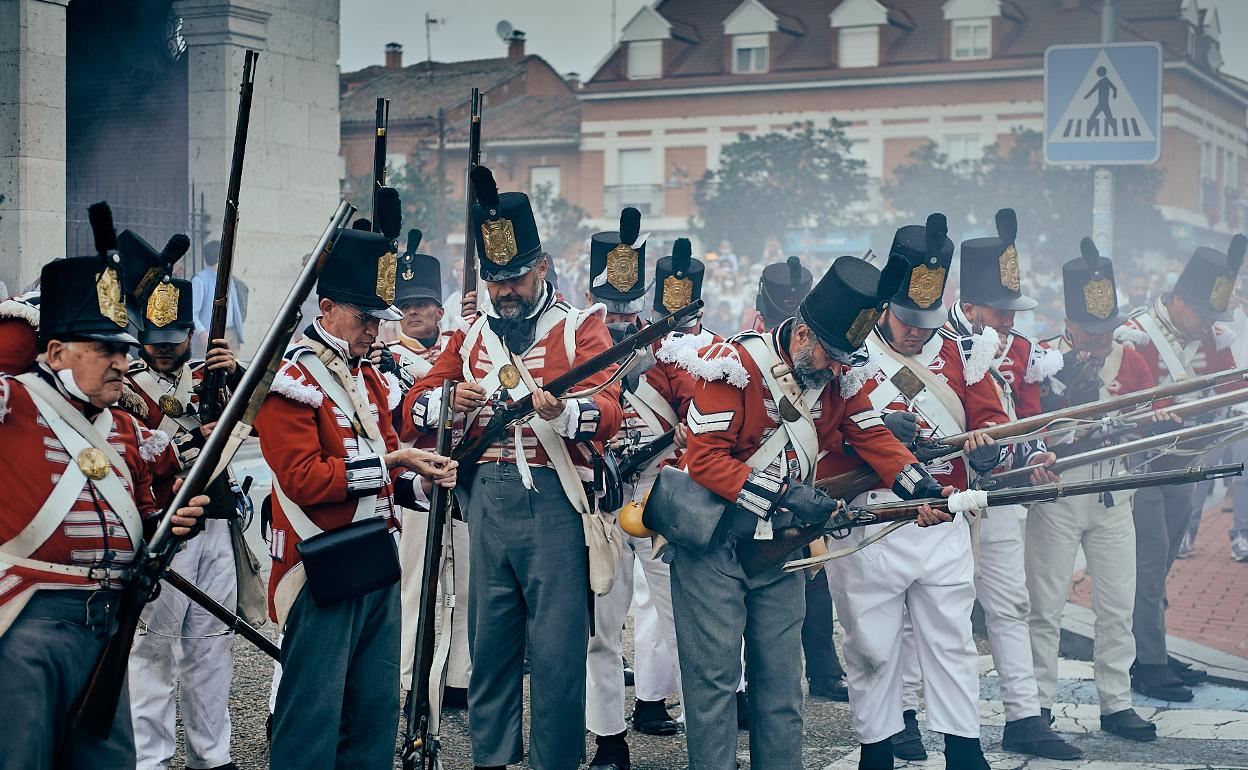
1102 103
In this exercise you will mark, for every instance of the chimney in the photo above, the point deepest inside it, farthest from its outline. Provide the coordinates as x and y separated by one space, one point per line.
515 46
574 80
394 56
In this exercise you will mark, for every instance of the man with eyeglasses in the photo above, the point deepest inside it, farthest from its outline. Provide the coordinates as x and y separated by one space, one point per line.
768 417
338 476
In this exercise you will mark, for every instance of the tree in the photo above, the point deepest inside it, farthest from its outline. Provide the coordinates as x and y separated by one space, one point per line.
419 193
766 184
560 221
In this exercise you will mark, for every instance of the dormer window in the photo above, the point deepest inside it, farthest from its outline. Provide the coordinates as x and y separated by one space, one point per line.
858 47
749 53
972 39
645 59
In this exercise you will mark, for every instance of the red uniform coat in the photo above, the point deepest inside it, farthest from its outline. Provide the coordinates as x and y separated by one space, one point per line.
165 472
307 442
406 352
19 332
546 359
1212 354
35 461
733 413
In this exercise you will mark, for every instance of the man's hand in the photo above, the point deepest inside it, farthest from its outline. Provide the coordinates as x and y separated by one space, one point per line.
430 465
929 516
681 436
547 406
807 504
903 425
982 452
184 519
376 351
221 357
468 305
1042 474
469 396
206 430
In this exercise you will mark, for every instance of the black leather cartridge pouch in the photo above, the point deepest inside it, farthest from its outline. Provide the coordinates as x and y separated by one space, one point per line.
349 562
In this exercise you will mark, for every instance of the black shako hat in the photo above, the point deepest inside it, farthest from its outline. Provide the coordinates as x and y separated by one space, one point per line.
504 228
781 288
360 271
1209 278
617 263
170 313
929 253
1091 295
677 278
843 307
990 275
419 276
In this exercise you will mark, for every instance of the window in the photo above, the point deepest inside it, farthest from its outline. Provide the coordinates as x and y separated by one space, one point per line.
858 47
972 39
635 167
963 147
645 59
1231 173
544 175
749 53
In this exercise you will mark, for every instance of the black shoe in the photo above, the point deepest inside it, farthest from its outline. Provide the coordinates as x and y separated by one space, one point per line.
876 756
1047 716
908 744
832 689
1130 725
611 754
743 711
226 766
1031 735
454 697
1156 680
1186 673
629 677
964 754
651 718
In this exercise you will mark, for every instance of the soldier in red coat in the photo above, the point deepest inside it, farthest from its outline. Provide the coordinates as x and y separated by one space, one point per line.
1094 367
531 503
78 504
767 416
338 475
19 332
1179 336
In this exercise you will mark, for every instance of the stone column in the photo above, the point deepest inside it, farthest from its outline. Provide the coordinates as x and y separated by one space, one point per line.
32 137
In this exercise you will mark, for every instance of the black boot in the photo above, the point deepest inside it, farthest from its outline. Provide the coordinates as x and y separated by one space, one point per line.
651 718
1032 735
1158 681
832 688
964 754
1130 725
611 754
908 744
743 711
1186 673
876 756
454 697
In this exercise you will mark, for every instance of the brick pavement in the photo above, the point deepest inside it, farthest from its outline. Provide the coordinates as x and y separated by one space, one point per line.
1208 591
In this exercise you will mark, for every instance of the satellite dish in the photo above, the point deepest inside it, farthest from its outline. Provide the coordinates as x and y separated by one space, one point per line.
504 29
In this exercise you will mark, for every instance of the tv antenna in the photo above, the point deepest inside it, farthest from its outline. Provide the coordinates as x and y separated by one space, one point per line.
430 22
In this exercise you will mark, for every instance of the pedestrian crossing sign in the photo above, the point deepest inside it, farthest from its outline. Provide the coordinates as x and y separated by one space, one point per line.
1102 103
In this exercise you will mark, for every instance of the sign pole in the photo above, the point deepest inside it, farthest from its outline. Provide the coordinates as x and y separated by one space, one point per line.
1103 176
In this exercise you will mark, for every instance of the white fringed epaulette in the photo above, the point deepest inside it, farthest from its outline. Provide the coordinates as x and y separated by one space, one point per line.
1129 335
295 388
720 362
1223 336
682 349
4 396
14 307
152 445
851 381
1042 364
983 352
132 402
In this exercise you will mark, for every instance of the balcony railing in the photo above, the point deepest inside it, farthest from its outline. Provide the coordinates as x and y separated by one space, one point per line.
646 198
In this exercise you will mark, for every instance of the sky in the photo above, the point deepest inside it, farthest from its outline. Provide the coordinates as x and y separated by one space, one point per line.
573 35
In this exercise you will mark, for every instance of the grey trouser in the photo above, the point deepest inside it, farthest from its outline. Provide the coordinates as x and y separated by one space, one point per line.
46 657
529 578
715 605
1161 515
338 701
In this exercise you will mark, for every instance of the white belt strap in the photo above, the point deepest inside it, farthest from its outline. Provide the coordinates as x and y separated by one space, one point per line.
1165 349
800 433
304 527
944 410
153 388
651 407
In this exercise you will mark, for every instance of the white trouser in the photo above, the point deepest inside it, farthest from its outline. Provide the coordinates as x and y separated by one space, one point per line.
1055 531
411 560
911 676
654 667
1001 588
928 573
182 653
604 669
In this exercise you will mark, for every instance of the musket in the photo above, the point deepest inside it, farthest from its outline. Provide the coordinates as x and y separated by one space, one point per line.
379 156
219 611
474 160
863 478
1119 428
212 395
97 704
758 555
420 741
639 458
1064 462
470 449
